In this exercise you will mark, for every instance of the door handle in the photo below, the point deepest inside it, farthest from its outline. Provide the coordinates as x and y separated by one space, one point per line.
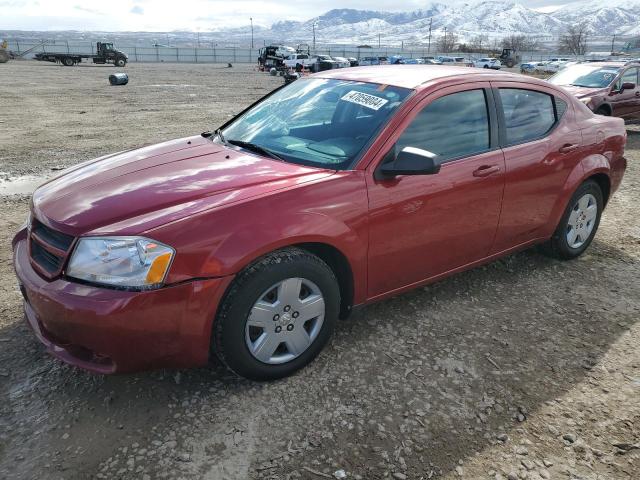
486 170
637 94
568 147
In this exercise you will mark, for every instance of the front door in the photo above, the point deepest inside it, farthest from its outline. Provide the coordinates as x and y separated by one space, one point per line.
425 225
626 103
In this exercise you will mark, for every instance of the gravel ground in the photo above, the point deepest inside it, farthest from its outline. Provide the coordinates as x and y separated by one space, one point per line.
527 368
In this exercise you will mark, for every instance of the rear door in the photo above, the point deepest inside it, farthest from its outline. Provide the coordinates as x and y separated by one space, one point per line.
542 146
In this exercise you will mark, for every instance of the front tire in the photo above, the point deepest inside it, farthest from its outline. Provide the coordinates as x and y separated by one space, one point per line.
603 111
277 316
68 62
578 224
121 62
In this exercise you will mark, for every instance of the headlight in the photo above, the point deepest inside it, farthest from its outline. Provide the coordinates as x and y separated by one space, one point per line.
121 261
585 100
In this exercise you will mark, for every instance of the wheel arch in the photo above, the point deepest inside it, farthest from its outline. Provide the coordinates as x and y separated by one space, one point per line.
605 106
604 182
341 267
594 167
334 257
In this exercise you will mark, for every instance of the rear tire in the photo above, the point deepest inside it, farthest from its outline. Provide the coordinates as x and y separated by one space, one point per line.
262 331
578 224
68 62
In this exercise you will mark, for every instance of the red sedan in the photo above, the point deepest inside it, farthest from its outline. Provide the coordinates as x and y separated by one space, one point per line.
335 191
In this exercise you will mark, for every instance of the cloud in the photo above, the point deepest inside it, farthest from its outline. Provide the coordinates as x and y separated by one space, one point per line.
137 9
80 8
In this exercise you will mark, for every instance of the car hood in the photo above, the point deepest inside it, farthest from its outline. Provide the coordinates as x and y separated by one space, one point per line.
133 191
581 91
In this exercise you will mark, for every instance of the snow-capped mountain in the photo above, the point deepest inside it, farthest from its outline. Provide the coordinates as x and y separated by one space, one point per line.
603 17
466 18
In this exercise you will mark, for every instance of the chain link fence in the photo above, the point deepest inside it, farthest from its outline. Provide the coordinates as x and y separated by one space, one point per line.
215 54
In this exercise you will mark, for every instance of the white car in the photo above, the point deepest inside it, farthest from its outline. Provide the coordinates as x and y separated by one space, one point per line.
342 62
493 63
295 59
556 65
541 67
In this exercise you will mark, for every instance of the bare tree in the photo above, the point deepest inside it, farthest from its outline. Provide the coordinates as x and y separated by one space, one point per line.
520 43
574 40
479 43
447 42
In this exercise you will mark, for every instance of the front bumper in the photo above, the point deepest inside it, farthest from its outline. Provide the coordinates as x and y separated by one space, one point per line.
114 331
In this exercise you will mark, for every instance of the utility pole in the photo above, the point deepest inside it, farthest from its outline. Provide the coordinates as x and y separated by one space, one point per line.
444 41
251 18
429 44
314 37
198 38
378 40
613 41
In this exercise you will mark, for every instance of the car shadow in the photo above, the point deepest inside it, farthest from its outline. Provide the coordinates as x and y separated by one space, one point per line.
441 370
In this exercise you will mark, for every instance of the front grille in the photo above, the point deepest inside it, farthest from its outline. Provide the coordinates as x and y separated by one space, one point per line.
58 240
48 249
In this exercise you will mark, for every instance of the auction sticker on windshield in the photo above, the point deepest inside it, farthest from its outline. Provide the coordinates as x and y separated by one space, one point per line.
364 99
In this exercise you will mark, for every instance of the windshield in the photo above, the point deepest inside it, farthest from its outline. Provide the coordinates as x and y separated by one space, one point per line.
318 122
586 76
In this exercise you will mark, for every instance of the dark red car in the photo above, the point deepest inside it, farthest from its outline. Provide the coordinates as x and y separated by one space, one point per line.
335 191
607 88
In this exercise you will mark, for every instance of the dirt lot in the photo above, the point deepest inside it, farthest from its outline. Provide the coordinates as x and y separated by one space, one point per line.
526 368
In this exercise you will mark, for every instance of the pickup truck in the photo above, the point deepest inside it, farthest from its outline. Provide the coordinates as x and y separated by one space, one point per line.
295 59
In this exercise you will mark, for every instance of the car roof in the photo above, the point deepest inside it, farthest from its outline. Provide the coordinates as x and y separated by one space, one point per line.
605 64
414 76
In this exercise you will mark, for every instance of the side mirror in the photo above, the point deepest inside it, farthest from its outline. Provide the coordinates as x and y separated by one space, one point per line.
412 161
627 86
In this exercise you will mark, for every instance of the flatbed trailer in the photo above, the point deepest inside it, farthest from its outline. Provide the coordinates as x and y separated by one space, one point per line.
105 54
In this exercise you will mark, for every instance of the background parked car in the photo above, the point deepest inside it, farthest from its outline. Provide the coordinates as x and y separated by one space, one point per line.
607 88
486 62
446 60
295 59
341 62
353 62
528 67
322 63
369 61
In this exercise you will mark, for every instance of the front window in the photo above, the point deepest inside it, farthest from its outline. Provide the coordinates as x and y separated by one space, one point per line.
586 76
629 76
319 122
453 126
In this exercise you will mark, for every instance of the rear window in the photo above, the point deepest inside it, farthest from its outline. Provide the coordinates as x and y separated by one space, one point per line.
528 114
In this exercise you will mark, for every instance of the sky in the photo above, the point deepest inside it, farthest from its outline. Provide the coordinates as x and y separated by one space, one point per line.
193 15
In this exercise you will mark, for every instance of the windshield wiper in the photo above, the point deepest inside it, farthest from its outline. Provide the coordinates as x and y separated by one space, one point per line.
254 148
